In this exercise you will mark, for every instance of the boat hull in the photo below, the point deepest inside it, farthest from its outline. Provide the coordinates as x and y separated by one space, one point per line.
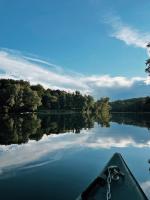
126 188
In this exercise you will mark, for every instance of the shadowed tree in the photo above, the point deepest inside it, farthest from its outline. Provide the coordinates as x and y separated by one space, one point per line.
148 61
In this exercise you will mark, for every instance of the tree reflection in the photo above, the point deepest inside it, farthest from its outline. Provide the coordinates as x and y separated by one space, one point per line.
17 129
141 120
22 128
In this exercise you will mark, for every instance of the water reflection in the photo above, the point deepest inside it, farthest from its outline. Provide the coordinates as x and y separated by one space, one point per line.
69 147
22 128
42 135
140 119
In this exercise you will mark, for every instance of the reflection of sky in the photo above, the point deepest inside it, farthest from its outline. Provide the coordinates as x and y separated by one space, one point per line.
117 136
133 142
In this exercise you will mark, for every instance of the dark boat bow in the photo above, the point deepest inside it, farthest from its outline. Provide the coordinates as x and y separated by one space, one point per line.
116 182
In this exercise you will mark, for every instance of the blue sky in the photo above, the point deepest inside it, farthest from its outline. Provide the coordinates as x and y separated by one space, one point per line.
95 46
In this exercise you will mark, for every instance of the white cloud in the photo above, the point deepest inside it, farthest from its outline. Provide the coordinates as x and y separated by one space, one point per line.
17 66
21 67
110 82
128 34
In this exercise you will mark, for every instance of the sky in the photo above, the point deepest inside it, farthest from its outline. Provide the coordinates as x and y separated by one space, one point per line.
95 46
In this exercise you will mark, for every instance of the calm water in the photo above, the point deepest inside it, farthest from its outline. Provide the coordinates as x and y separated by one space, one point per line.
55 157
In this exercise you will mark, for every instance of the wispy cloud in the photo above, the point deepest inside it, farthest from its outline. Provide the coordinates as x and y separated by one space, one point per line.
31 69
126 33
38 71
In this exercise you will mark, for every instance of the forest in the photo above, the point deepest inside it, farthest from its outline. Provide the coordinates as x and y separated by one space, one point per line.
141 104
19 96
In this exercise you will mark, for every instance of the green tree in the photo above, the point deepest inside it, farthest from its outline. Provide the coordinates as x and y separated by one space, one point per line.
39 89
31 100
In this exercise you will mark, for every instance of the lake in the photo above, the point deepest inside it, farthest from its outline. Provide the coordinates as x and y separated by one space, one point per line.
54 157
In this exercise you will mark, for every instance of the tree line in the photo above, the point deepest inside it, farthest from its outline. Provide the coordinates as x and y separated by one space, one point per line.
19 96
141 104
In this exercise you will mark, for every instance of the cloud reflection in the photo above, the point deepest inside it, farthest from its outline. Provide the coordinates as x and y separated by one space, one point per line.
54 147
146 187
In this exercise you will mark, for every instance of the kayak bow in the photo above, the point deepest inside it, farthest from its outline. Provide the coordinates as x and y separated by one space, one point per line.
116 182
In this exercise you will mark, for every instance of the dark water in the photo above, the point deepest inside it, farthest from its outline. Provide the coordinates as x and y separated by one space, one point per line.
54 157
